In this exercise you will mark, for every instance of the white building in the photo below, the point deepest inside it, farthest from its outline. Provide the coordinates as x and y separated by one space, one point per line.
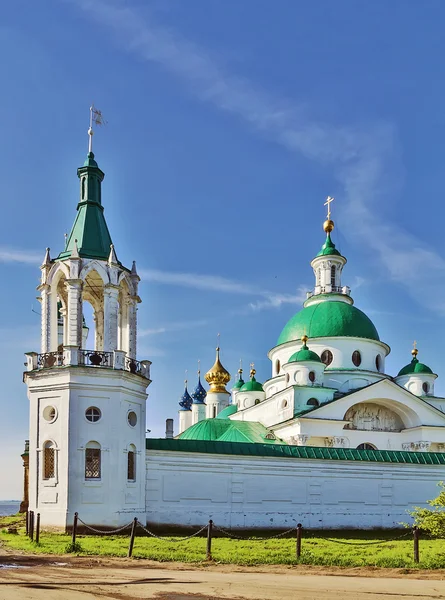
330 439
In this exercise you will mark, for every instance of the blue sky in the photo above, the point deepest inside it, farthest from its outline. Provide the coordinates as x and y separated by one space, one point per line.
228 125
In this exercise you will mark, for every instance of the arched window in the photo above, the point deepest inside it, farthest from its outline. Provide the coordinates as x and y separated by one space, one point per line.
327 357
312 376
287 377
277 367
214 412
257 401
318 276
378 362
92 461
425 387
366 446
131 463
333 276
83 188
356 358
49 460
313 402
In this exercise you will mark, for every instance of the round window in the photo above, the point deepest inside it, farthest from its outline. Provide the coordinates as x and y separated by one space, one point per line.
312 376
327 357
50 414
93 414
356 358
425 387
378 362
132 418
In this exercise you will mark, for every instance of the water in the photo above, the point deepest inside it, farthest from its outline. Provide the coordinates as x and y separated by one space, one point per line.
9 507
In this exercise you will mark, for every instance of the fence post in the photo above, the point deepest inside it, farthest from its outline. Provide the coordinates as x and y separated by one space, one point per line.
133 532
416 535
31 525
38 528
299 527
74 533
209 540
27 523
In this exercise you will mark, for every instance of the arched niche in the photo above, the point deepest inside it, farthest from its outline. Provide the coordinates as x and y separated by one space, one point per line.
380 415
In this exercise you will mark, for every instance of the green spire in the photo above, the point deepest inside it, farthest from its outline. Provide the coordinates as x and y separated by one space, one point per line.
90 228
328 247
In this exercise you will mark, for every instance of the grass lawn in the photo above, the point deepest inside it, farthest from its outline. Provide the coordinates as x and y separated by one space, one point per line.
316 548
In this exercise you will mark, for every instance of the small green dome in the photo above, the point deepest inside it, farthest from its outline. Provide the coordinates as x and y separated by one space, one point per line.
226 412
252 386
328 248
329 319
239 384
415 367
304 354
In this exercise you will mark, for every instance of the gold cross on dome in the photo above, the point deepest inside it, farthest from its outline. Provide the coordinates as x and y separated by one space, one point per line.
329 199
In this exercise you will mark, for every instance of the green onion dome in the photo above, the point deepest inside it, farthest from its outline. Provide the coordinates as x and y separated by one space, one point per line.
253 385
304 353
226 412
329 319
415 367
240 382
328 248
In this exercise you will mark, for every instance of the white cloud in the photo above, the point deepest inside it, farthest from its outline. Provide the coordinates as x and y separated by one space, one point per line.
213 283
171 327
14 255
365 160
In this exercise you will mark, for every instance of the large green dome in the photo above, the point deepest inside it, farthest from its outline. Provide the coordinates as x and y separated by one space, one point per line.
329 319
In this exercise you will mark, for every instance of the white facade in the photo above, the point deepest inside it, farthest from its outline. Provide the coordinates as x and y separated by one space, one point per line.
188 489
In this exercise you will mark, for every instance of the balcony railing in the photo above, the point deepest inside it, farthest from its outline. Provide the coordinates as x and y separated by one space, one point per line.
72 356
94 358
49 360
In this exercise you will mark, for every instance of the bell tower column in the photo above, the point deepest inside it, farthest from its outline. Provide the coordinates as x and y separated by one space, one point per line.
111 317
74 316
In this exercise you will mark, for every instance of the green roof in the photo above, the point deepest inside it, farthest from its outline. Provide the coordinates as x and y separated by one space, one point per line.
226 412
303 452
415 367
239 384
252 386
225 430
90 228
304 354
328 248
329 319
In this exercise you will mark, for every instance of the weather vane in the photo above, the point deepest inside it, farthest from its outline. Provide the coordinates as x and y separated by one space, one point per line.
96 117
329 199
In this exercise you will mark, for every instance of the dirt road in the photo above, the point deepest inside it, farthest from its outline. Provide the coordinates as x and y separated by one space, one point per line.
49 578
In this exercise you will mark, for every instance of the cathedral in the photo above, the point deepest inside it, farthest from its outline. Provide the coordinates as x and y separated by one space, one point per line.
330 440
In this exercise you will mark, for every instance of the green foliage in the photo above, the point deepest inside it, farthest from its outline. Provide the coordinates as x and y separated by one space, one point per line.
75 548
432 519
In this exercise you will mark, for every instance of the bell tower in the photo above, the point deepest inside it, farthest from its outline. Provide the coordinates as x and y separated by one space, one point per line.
87 396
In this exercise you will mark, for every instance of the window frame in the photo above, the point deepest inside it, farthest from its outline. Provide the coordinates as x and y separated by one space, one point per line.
359 361
131 456
49 449
93 420
330 356
90 449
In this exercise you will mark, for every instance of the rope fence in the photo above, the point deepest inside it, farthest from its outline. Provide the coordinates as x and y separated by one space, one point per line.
33 532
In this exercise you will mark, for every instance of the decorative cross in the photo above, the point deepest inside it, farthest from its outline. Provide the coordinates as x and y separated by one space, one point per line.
414 345
199 366
329 199
218 336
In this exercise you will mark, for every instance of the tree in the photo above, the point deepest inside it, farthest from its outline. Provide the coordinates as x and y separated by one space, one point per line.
432 519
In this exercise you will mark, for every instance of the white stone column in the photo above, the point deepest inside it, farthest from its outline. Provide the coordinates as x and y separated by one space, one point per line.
132 327
99 329
111 316
45 294
74 313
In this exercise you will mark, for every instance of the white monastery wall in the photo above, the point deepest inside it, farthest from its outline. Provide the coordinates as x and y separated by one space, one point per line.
188 489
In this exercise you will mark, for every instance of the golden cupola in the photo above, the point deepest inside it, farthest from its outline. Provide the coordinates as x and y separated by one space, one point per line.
217 377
